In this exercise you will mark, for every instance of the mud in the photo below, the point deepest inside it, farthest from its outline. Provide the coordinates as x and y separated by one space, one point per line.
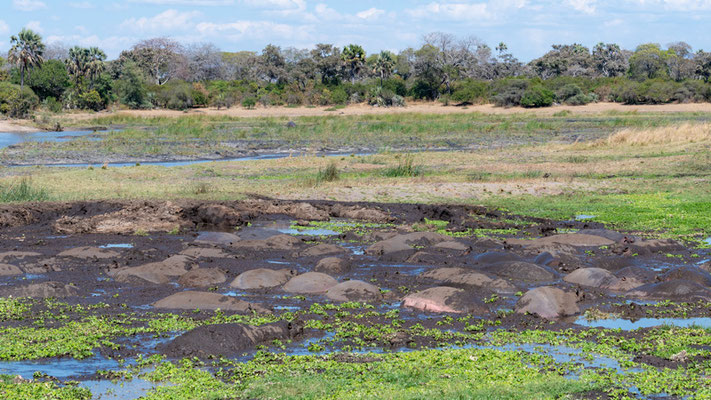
191 258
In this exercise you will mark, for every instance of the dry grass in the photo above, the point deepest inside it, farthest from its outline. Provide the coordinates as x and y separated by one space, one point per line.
679 134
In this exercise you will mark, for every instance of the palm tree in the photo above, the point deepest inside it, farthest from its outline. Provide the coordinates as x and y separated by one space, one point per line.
26 52
96 64
78 63
384 65
354 57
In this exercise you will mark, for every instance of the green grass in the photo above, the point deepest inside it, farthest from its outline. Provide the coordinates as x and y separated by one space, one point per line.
22 191
406 167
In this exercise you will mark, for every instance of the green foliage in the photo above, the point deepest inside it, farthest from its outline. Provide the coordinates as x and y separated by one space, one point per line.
328 174
48 80
91 100
509 92
471 91
249 103
131 87
22 191
537 96
16 102
405 167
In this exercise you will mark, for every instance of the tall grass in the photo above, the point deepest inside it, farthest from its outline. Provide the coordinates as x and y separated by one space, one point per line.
328 174
405 167
22 191
677 134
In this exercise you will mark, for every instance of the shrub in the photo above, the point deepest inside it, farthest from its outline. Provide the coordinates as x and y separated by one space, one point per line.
52 104
175 95
471 91
568 91
406 167
382 97
249 103
537 96
508 93
329 174
339 96
15 104
91 100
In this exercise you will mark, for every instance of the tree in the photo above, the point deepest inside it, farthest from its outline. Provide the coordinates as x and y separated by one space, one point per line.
679 61
565 59
354 58
161 59
78 64
505 64
204 63
384 65
131 86
327 59
49 80
609 60
26 52
95 65
272 66
447 56
648 62
702 61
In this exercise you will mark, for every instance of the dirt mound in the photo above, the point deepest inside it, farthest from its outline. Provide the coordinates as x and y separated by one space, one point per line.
261 278
452 245
322 249
333 266
155 272
692 274
405 243
217 216
548 302
677 290
17 255
276 242
228 340
466 277
566 239
521 270
360 213
202 277
645 247
223 238
354 291
629 278
9 270
297 210
135 217
42 290
492 257
205 252
592 277
445 299
87 252
207 301
310 283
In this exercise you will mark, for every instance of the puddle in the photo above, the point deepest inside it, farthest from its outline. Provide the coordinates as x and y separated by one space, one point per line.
707 241
628 325
31 276
120 390
57 236
60 368
403 269
308 232
117 246
234 293
582 217
280 262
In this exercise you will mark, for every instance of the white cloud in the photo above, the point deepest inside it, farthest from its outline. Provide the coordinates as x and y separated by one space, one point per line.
277 4
84 5
676 5
28 5
4 28
267 30
454 11
585 6
326 13
166 21
196 3
35 26
371 13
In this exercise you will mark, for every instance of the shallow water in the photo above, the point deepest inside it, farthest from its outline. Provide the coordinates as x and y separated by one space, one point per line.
628 325
117 246
272 156
581 217
60 368
120 390
308 232
9 139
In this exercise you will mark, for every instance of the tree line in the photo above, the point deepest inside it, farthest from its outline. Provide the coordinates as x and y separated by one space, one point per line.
162 73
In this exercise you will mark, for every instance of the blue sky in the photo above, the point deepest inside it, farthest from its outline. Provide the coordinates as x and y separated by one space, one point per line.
529 27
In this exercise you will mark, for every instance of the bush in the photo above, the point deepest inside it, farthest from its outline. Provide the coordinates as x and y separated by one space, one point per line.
382 97
91 100
406 167
22 191
329 174
537 96
249 103
174 95
131 87
471 91
52 104
339 96
15 104
396 85
49 80
508 93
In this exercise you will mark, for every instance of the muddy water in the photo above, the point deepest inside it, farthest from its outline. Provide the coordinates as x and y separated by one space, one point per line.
629 325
